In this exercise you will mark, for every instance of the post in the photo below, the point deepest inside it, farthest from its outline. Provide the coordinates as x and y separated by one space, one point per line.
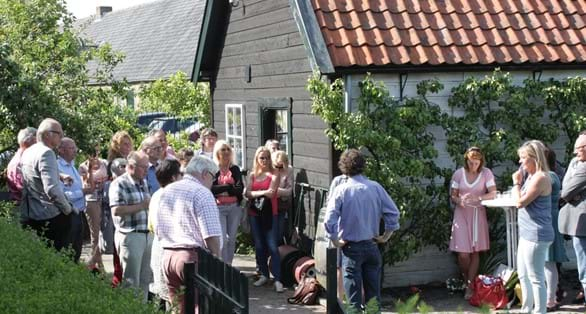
332 306
189 298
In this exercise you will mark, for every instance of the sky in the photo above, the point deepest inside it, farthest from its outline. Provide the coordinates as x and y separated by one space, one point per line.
85 8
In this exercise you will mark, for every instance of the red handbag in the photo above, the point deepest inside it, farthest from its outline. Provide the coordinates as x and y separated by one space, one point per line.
489 290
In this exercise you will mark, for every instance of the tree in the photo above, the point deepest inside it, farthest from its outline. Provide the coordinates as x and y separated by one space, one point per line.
177 96
399 146
44 73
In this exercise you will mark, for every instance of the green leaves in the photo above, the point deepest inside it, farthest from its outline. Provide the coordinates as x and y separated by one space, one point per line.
177 96
43 73
400 147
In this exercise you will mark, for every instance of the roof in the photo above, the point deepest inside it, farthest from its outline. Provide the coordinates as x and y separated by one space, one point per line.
452 32
158 38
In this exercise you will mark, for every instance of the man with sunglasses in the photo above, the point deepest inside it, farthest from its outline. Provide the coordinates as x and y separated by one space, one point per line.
44 207
572 217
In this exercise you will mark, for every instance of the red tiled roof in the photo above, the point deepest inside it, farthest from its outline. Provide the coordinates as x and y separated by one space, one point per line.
434 32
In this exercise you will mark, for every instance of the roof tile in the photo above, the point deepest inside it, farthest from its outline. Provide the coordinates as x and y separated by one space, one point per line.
395 32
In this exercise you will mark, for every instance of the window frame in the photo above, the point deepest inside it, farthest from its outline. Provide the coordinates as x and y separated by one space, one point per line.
242 136
277 104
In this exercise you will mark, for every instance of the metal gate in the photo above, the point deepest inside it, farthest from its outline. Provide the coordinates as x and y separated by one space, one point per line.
221 288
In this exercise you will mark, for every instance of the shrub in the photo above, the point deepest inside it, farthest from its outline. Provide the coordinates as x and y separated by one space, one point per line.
36 279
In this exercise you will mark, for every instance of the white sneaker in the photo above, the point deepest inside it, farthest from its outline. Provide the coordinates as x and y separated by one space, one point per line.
261 281
278 286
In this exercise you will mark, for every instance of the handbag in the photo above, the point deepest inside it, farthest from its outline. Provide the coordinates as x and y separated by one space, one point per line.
258 204
307 292
489 290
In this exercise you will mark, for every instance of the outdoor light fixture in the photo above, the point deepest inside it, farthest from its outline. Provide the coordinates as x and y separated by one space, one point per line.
234 3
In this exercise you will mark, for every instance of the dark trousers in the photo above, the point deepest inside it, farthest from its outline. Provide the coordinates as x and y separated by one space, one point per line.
56 230
362 267
76 235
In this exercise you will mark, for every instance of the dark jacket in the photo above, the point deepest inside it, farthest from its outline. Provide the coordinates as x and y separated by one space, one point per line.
235 189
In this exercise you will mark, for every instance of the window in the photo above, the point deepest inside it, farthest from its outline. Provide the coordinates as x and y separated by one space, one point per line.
276 122
235 132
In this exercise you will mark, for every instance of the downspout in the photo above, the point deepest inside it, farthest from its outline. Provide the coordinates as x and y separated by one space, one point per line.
348 93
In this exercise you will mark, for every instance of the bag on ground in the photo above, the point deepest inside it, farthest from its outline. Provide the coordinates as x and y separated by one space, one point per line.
307 292
489 290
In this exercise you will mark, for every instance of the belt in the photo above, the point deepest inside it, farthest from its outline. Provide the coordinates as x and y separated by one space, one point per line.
180 248
141 231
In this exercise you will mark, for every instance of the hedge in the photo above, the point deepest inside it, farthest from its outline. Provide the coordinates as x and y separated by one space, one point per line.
37 279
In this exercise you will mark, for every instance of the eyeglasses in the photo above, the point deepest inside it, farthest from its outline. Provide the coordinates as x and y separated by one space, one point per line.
157 148
225 149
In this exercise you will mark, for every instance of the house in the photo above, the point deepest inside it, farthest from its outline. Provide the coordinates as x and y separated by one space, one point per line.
158 39
258 54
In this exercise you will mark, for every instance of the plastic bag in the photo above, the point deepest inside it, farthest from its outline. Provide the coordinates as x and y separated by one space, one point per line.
489 290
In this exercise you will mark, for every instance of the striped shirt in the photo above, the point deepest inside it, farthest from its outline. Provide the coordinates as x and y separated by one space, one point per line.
187 215
125 191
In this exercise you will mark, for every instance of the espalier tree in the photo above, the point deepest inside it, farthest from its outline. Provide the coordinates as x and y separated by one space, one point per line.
396 137
44 73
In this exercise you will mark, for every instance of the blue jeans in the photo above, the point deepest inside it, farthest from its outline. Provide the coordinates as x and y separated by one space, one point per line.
580 249
362 266
266 240
531 270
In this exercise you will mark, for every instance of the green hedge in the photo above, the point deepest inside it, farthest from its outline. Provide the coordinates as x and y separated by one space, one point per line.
36 279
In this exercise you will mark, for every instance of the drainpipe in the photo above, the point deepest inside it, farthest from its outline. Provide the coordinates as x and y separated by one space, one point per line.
348 93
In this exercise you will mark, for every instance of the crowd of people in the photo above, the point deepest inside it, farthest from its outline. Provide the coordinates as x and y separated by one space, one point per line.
550 204
161 205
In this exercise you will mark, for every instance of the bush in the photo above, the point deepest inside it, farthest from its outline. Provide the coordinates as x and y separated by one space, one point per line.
35 279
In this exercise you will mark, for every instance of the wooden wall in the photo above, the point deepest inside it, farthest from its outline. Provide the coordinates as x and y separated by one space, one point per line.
263 35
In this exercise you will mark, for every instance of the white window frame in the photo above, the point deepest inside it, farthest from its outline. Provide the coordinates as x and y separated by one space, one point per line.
242 136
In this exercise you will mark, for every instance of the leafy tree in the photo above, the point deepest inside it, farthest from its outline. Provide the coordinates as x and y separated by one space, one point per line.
44 73
177 96
399 145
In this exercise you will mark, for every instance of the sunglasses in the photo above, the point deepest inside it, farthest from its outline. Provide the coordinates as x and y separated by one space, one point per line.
263 158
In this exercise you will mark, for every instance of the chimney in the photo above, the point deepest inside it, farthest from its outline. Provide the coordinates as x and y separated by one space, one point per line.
101 11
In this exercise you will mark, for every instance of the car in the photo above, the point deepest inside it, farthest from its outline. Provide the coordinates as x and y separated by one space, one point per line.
144 119
175 125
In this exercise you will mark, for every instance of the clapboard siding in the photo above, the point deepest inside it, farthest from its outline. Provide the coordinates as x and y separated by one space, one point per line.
263 35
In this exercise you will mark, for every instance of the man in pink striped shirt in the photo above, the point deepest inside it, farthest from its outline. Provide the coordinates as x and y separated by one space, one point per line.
188 218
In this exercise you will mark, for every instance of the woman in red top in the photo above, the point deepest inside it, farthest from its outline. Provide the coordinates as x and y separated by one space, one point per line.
227 189
264 183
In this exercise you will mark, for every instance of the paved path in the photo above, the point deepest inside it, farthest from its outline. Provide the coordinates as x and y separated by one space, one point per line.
261 299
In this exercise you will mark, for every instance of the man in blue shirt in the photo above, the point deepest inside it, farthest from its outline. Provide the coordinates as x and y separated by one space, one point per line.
353 216
73 189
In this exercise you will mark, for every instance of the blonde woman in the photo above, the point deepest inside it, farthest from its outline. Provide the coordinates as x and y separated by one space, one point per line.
285 190
227 188
535 227
264 224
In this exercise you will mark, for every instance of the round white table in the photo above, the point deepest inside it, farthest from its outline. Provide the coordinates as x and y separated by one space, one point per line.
509 206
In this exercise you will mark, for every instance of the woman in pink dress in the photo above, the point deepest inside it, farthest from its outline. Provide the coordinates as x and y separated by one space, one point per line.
470 185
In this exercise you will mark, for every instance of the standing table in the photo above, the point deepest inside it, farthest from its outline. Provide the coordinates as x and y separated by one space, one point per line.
509 206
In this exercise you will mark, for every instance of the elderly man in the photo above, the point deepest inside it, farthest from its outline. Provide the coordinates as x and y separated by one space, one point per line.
26 138
188 218
73 189
572 217
44 206
129 202
363 200
272 145
152 147
168 152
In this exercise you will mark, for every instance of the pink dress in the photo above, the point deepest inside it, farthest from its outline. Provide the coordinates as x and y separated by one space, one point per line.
470 227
